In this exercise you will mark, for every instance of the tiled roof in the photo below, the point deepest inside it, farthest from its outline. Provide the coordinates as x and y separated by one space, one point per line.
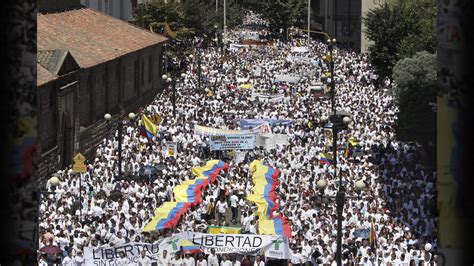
92 37
43 76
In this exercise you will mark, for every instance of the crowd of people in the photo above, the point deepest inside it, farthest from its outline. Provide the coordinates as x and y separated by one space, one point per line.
399 195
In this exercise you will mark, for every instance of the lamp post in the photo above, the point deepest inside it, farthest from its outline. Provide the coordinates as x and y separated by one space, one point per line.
428 248
54 182
108 118
171 81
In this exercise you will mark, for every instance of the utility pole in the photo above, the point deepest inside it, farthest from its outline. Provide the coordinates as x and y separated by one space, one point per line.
309 23
225 26
217 5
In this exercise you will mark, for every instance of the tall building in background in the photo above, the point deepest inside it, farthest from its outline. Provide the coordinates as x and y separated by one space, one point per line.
342 19
121 9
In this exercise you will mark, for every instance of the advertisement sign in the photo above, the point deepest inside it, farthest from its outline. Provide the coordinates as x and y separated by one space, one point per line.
232 142
109 255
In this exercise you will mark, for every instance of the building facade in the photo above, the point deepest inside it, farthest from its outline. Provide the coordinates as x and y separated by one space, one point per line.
121 9
89 64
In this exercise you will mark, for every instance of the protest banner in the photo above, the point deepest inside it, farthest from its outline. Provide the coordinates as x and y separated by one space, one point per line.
171 149
250 123
109 255
209 131
270 141
232 142
239 156
273 245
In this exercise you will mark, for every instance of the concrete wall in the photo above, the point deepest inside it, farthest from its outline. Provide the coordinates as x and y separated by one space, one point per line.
132 80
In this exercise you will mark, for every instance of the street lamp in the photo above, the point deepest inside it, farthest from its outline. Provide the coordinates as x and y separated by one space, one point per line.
108 118
428 248
171 81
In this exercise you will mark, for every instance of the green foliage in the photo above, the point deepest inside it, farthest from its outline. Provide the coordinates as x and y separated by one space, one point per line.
282 14
415 78
399 29
190 18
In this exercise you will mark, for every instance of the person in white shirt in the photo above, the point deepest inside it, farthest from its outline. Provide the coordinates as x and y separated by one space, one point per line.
177 260
188 260
122 261
221 210
144 260
201 261
68 260
234 203
226 261
79 259
212 259
164 260
258 261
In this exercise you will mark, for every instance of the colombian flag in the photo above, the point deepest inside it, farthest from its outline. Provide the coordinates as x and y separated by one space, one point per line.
210 170
190 191
147 128
372 237
167 216
325 158
265 180
215 230
189 247
276 226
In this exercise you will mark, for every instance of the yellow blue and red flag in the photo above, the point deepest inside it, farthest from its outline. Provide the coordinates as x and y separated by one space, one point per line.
325 158
190 191
275 226
210 170
189 247
265 181
169 32
147 128
167 216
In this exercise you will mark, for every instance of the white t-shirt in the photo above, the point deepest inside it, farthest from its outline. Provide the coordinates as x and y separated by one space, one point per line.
234 200
222 206
189 261
144 261
212 260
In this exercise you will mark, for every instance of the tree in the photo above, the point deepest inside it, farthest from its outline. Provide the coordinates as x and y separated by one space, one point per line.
282 14
415 78
399 29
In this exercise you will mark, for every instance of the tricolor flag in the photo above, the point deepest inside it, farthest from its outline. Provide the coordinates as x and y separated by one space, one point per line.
210 170
147 128
169 32
265 180
167 216
326 158
276 226
190 191
372 237
189 247
347 151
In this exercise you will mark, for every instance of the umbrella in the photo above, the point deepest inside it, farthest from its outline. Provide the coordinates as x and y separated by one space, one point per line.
148 171
50 249
362 233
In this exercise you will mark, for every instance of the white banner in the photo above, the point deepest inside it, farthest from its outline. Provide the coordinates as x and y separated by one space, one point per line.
232 142
109 255
272 246
209 131
269 142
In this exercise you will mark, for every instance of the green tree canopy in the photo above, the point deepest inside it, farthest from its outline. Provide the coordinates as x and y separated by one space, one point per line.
415 79
399 29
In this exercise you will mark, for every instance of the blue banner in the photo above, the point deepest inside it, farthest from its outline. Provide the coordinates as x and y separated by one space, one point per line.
232 142
251 123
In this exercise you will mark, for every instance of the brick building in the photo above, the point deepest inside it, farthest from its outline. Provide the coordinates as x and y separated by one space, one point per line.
88 64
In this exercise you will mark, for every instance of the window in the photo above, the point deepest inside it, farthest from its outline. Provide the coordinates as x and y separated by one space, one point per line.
106 4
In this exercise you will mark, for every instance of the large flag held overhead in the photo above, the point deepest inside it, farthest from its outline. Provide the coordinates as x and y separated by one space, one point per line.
265 180
210 170
147 128
167 216
190 191
275 226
